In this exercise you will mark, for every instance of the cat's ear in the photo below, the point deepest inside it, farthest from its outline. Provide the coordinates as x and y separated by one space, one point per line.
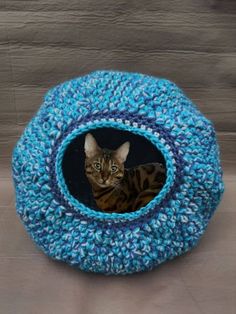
91 147
122 152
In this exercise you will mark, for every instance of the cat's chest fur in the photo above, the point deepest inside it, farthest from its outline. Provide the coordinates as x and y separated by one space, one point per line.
138 186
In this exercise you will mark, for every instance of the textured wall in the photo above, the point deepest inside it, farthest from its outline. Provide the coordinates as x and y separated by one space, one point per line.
45 42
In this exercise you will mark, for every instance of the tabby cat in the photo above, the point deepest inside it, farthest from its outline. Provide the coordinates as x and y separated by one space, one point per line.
115 188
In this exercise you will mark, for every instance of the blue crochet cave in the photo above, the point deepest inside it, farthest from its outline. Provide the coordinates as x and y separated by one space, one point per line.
52 196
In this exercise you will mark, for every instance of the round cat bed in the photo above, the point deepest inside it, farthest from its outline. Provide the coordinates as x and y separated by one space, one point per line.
164 124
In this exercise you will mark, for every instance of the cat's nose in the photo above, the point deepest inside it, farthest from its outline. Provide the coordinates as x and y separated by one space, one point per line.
105 179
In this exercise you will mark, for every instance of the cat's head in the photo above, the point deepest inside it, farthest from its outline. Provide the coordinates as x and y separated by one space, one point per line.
104 167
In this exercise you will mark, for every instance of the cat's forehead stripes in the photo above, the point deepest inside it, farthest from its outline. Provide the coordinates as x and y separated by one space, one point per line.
106 158
107 155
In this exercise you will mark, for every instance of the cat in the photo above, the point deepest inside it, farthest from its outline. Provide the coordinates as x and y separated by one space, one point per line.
115 188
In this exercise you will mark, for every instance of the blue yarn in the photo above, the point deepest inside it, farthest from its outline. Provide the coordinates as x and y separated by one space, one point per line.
170 225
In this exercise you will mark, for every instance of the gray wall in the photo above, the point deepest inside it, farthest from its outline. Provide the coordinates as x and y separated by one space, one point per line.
45 42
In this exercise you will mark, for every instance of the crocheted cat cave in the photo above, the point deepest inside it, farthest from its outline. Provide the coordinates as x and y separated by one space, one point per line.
171 224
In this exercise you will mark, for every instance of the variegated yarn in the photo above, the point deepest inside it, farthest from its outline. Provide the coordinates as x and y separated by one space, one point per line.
171 224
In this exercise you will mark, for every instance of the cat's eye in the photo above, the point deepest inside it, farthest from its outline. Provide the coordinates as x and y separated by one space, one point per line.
114 168
97 166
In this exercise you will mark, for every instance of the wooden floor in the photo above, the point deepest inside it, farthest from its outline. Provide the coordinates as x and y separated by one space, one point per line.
200 282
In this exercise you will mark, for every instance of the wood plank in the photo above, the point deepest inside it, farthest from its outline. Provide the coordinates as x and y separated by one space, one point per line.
24 117
226 6
227 142
29 99
40 49
224 122
21 98
229 168
213 99
133 19
135 31
7 120
7 144
6 74
5 166
47 66
217 104
7 101
229 196
9 133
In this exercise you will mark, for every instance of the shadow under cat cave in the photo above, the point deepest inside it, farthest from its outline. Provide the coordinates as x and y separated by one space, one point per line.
141 151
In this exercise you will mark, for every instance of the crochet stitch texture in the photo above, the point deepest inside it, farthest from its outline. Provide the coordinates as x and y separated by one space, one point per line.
170 225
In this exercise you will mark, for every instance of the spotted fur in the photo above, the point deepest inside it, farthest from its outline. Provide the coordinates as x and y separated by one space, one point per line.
115 188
